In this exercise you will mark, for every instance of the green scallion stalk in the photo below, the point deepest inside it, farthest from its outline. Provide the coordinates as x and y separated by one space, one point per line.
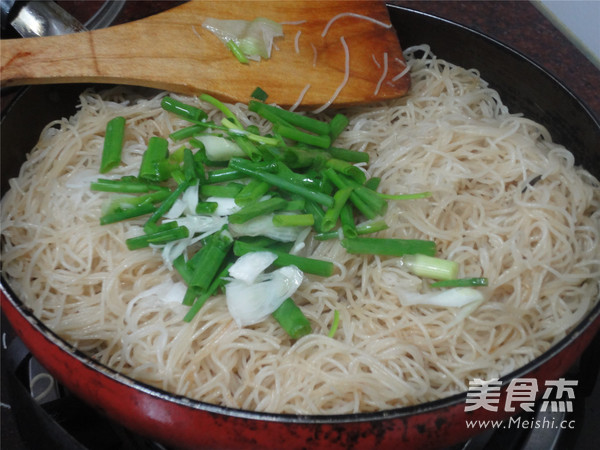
206 207
405 196
221 107
123 186
259 94
372 183
348 155
252 192
390 247
156 153
296 204
129 213
223 175
205 295
206 262
237 52
299 120
122 203
348 169
160 237
292 319
257 209
340 182
192 171
306 265
293 220
334 324
461 282
321 141
229 190
332 214
113 144
151 223
250 169
248 147
317 212
337 125
430 267
180 265
347 221
187 132
183 110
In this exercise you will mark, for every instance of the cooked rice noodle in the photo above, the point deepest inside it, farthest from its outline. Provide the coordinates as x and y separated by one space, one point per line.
538 243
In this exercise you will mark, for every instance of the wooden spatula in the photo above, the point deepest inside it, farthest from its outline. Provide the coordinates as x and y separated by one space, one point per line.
172 51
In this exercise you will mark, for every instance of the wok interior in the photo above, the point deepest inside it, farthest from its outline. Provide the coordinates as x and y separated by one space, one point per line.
522 86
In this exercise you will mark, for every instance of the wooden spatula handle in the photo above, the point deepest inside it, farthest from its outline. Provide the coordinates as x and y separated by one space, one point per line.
172 51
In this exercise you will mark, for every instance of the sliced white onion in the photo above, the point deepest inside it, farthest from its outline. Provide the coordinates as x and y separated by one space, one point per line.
249 266
454 297
252 303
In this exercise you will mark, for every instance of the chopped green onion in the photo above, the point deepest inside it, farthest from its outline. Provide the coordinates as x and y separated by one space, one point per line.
221 107
390 247
332 214
348 155
229 190
461 282
125 186
113 144
184 110
257 209
334 324
150 225
237 52
347 220
199 303
293 220
259 94
160 237
252 192
405 196
187 132
129 213
321 141
157 152
305 122
206 262
307 265
275 180
348 169
131 202
292 319
337 125
430 267
206 207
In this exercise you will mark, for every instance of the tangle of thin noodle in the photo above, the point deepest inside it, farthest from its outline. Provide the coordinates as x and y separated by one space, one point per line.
507 203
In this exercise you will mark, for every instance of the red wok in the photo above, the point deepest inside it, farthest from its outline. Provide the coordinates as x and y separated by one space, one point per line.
184 423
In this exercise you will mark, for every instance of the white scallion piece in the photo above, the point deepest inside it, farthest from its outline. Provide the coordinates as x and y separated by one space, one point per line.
252 303
220 149
263 226
249 266
449 298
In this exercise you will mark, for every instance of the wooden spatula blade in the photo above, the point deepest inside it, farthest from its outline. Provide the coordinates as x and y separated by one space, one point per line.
323 44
